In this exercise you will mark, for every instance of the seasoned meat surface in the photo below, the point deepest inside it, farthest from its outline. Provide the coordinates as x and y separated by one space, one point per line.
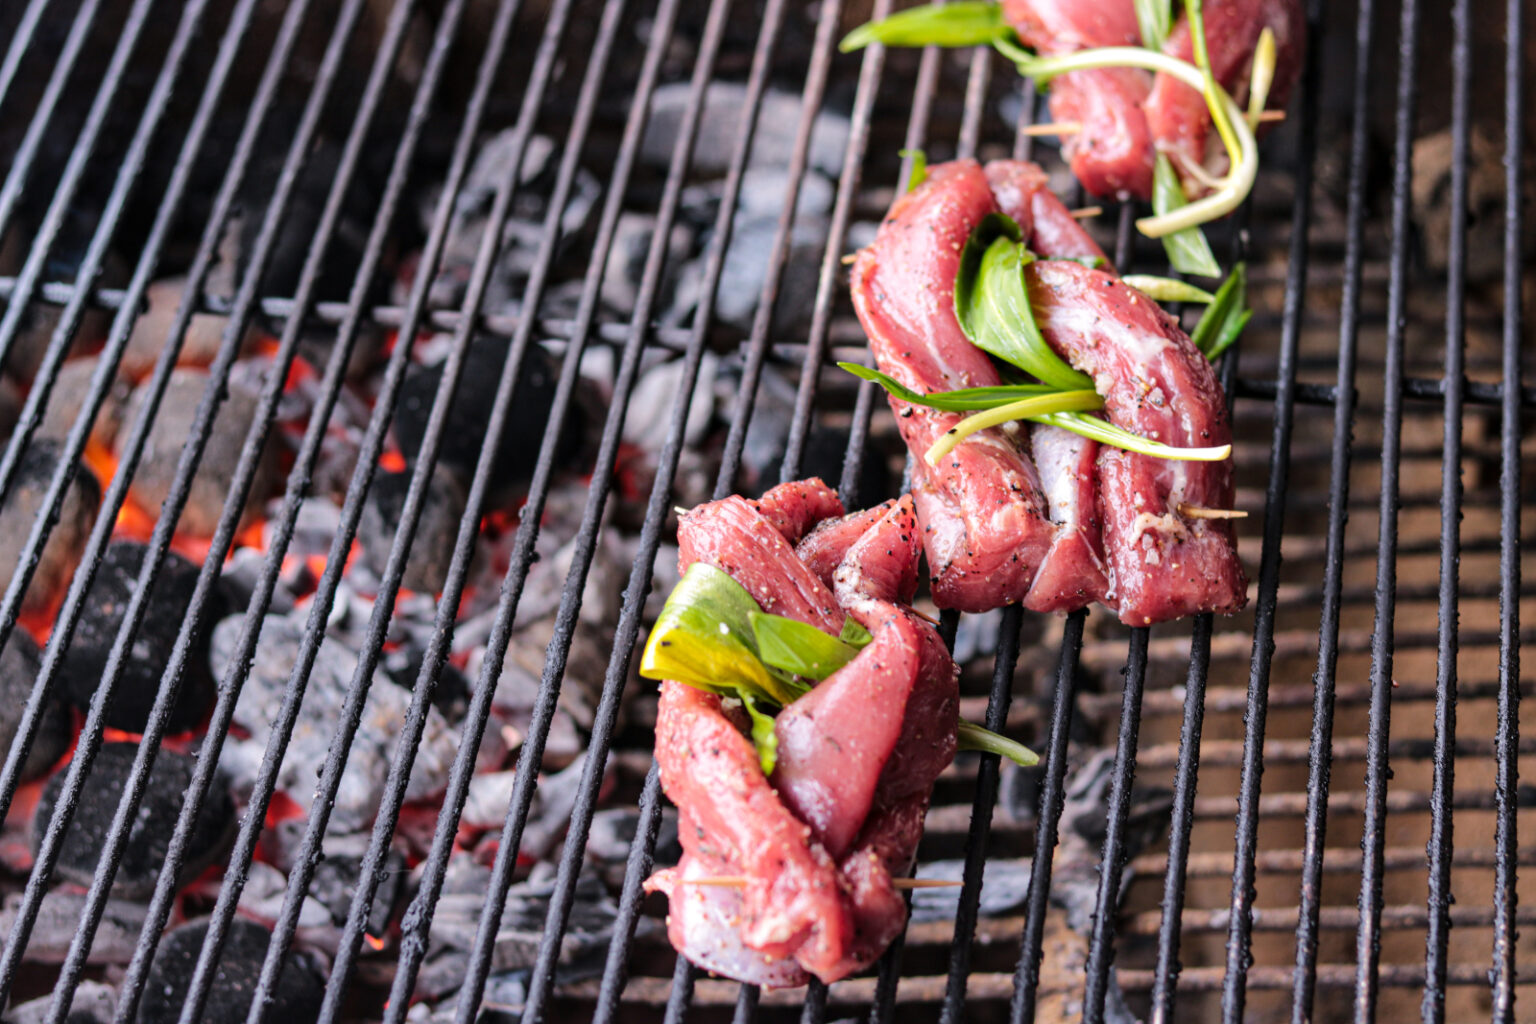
819 843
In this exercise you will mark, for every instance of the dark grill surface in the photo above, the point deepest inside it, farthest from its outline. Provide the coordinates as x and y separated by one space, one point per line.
304 171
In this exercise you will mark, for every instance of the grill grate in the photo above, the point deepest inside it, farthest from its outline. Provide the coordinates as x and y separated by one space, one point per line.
1202 925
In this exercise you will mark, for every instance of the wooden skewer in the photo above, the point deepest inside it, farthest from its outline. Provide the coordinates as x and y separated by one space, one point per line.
1085 212
1052 128
740 882
924 617
848 260
1196 512
1271 116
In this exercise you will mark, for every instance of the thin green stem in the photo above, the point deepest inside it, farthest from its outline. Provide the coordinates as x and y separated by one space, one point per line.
1062 401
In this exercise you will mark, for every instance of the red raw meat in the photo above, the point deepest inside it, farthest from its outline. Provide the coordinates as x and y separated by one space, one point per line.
819 844
987 524
1128 115
1164 564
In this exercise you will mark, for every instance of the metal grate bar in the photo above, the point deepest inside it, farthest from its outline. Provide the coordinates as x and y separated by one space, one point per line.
26 30
1239 938
91 736
63 66
1440 847
628 627
1368 937
1182 816
1507 739
981 816
586 538
642 848
1101 946
1026 979
1324 677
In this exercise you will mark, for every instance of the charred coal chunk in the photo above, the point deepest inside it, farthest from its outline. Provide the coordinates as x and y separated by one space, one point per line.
150 836
24 503
436 529
221 456
19 666
106 605
469 417
296 997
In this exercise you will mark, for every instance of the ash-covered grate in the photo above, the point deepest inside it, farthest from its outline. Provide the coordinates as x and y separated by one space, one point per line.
355 354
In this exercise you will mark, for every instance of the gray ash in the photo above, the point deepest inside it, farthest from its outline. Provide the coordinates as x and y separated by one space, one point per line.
299 989
144 853
106 604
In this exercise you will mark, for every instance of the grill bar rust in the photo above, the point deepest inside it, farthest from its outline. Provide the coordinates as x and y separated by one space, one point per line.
953 97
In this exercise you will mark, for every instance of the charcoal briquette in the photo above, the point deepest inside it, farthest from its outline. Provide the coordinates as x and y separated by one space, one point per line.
150 836
106 604
296 998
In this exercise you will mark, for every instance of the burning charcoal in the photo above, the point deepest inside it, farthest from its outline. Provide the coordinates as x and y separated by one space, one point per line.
614 829
19 665
68 398
25 502
746 268
767 440
93 1003
976 636
152 330
437 528
650 404
362 783
42 318
517 941
10 407
178 412
464 431
238 579
60 915
262 899
335 878
772 145
106 605
523 232
626 260
144 853
296 998
553 801
1004 889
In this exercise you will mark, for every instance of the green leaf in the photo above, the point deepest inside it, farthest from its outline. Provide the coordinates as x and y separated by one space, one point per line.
957 24
1167 289
1226 316
1155 17
919 166
992 304
854 634
704 638
976 737
1188 250
764 739
963 400
799 648
1107 433
1029 408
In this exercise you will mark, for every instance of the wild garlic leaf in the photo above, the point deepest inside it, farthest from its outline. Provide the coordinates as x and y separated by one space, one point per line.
919 166
976 737
1104 432
1188 250
799 648
854 634
1224 319
764 740
1155 18
992 304
964 400
704 638
950 25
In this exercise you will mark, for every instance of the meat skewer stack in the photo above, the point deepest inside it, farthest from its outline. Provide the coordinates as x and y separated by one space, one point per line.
1037 514
819 844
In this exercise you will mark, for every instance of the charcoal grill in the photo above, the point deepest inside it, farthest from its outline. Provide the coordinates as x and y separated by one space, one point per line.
1314 906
